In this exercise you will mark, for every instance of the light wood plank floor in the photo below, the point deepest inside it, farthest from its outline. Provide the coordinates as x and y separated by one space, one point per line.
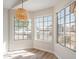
42 54
38 53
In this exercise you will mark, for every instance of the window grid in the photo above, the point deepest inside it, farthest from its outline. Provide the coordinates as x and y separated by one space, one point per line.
23 31
65 25
45 26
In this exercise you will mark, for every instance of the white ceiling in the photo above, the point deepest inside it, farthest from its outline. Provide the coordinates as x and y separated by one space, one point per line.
34 5
8 3
31 5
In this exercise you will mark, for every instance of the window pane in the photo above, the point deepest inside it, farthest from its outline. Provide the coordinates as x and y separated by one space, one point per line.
38 35
73 27
25 28
62 13
73 38
45 24
49 28
67 28
16 30
67 35
45 35
21 23
62 20
37 20
25 23
67 19
29 36
20 36
41 26
16 22
59 28
29 32
50 35
59 15
68 10
30 21
20 30
25 36
72 18
41 19
62 28
49 24
61 39
16 37
37 25
49 18
68 41
59 21
45 18
73 45
25 32
29 28
41 35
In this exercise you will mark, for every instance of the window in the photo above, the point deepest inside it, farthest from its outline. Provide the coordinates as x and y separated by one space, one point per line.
67 27
22 29
44 28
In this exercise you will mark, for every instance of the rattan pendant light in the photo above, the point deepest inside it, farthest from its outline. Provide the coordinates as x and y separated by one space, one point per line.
21 13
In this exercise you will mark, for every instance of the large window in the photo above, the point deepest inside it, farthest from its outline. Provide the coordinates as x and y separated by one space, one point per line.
44 27
22 29
67 27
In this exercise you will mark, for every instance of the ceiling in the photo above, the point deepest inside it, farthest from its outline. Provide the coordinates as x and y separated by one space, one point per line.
31 5
9 3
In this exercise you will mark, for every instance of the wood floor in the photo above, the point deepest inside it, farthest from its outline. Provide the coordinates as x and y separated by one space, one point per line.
42 54
39 54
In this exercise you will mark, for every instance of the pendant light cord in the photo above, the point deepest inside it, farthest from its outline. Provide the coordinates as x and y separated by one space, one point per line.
22 3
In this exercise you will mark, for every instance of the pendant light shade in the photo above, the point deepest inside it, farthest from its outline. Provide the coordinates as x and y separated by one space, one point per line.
21 13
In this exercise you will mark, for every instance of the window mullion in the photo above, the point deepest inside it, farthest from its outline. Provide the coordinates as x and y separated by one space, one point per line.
18 30
39 28
47 28
27 31
64 27
23 29
70 27
43 27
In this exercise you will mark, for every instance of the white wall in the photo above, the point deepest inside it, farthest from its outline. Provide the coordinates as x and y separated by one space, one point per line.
17 44
5 29
60 51
43 45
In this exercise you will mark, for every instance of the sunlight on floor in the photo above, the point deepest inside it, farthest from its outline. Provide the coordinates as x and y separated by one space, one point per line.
21 54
